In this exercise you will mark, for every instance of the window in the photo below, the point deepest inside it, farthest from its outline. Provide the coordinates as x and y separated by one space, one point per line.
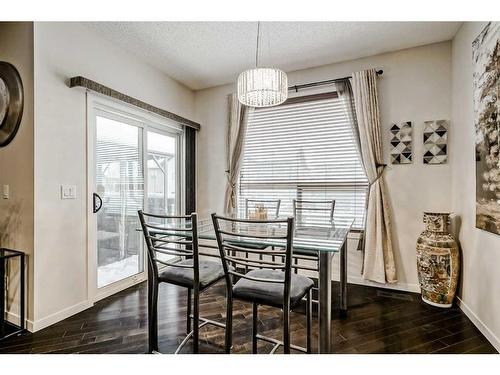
162 175
304 149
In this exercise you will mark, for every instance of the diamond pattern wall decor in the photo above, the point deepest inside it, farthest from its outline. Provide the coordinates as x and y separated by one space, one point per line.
435 142
401 146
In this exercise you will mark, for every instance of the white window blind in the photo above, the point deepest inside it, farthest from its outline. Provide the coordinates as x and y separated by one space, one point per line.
304 150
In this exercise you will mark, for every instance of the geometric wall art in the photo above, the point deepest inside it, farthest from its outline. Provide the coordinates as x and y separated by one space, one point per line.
485 86
435 142
401 143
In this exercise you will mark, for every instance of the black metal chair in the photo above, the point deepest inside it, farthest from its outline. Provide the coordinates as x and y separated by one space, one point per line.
272 205
311 213
177 236
269 282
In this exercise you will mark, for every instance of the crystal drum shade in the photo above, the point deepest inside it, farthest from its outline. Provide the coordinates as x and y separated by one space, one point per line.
262 87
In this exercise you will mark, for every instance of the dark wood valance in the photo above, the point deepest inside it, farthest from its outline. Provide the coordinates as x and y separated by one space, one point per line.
88 84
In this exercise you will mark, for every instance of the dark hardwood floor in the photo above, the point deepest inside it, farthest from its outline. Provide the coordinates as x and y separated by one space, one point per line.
379 321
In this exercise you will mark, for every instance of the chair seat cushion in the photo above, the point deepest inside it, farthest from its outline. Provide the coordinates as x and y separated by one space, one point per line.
271 293
209 273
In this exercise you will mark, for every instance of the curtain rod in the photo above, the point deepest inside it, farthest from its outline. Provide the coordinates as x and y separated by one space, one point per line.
320 83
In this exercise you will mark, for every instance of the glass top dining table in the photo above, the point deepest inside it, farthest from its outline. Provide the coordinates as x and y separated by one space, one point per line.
310 237
324 240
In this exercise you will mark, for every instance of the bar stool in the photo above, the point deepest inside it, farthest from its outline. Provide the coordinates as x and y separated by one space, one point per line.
177 236
270 282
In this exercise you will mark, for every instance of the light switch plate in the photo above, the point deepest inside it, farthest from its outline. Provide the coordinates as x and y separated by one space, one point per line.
68 191
6 192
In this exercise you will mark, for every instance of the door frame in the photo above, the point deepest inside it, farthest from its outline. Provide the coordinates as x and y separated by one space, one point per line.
145 121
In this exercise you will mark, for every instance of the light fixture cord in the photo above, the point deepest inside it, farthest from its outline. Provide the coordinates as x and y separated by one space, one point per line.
257 49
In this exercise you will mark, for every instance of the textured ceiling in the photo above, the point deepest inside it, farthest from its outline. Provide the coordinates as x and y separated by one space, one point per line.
205 54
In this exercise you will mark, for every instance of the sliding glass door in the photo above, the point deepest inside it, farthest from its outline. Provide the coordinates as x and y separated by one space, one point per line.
134 163
119 194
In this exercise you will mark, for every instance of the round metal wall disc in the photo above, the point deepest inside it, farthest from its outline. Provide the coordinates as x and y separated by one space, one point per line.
11 102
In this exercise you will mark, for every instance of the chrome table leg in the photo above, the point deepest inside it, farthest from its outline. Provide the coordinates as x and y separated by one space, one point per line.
343 280
325 301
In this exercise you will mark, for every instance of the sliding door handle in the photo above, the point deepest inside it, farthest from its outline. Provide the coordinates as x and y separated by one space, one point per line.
97 203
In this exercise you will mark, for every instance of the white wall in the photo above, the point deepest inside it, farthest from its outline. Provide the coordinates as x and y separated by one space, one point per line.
415 87
16 163
480 281
63 50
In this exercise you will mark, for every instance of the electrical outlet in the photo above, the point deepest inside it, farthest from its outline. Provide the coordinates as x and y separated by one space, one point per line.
68 191
6 192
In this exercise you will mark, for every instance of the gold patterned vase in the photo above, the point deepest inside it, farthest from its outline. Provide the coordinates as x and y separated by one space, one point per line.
438 261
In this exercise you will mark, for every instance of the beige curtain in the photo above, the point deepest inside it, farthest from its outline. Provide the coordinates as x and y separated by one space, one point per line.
378 264
235 139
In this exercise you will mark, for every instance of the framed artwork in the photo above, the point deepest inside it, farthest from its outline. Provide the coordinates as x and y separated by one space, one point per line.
401 143
486 83
435 142
11 102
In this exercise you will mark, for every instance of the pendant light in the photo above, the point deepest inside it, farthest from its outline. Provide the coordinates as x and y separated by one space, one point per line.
262 87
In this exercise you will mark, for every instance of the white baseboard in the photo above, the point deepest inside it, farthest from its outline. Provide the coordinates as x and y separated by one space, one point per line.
37 325
40 324
492 338
404 287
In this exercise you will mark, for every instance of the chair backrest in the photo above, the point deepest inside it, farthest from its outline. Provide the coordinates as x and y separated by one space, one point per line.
271 205
313 212
236 236
171 235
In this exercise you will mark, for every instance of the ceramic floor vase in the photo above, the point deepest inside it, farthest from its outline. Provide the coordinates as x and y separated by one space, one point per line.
438 261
